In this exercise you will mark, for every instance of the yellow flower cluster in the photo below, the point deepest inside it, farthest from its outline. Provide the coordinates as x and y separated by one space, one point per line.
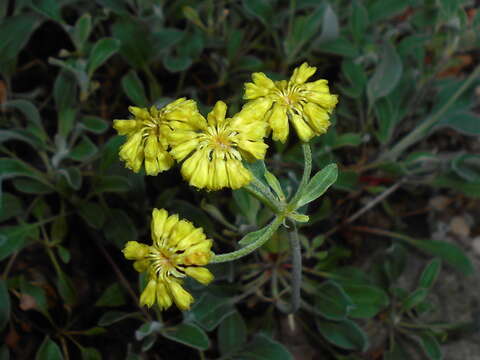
307 105
178 250
212 150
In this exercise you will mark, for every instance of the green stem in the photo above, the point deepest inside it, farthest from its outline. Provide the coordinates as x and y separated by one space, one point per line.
296 267
234 255
419 131
262 193
307 170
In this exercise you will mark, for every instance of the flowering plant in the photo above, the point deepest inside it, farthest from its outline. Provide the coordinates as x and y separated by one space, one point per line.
220 152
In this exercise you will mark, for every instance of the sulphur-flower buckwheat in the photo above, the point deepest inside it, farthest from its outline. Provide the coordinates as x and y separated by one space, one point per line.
178 250
212 149
307 105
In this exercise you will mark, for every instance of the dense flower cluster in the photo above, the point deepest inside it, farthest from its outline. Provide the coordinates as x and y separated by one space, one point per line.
212 150
307 105
178 250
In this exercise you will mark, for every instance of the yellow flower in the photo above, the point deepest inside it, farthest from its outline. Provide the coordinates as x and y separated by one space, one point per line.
212 149
147 135
178 250
307 105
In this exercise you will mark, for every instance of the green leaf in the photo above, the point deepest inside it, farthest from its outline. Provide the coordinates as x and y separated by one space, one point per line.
14 34
48 8
248 205
383 9
387 74
232 333
468 188
448 252
10 206
64 254
261 9
467 166
188 334
65 90
49 350
332 302
263 347
112 296
347 139
319 184
4 305
91 354
95 124
36 293
136 44
210 310
463 121
82 30
330 25
358 21
32 115
101 52
119 228
134 89
14 238
111 184
166 38
84 150
177 63
430 274
431 346
274 184
147 329
93 214
368 300
386 119
253 236
340 46
10 168
345 334
31 186
66 288
414 299
73 177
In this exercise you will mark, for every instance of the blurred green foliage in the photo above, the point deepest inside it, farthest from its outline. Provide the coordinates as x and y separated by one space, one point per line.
403 70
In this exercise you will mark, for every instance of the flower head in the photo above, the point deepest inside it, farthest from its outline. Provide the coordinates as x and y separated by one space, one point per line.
178 250
147 135
307 105
212 149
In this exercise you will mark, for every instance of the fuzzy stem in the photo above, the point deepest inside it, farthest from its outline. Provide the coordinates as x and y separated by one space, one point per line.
234 255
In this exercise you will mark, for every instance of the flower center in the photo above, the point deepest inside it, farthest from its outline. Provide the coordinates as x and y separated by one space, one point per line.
164 263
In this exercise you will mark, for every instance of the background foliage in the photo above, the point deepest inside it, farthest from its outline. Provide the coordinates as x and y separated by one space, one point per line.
404 72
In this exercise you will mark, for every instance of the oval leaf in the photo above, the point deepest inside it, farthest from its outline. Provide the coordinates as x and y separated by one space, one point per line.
319 184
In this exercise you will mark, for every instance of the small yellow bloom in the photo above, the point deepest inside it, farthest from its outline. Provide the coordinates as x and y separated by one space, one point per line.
306 105
178 250
212 149
147 135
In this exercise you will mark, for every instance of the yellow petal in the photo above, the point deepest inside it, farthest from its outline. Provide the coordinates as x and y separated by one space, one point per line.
182 150
317 117
135 251
200 176
181 297
194 237
198 254
256 148
278 121
139 112
202 275
141 265
217 115
305 133
125 127
159 218
163 297
148 295
302 73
